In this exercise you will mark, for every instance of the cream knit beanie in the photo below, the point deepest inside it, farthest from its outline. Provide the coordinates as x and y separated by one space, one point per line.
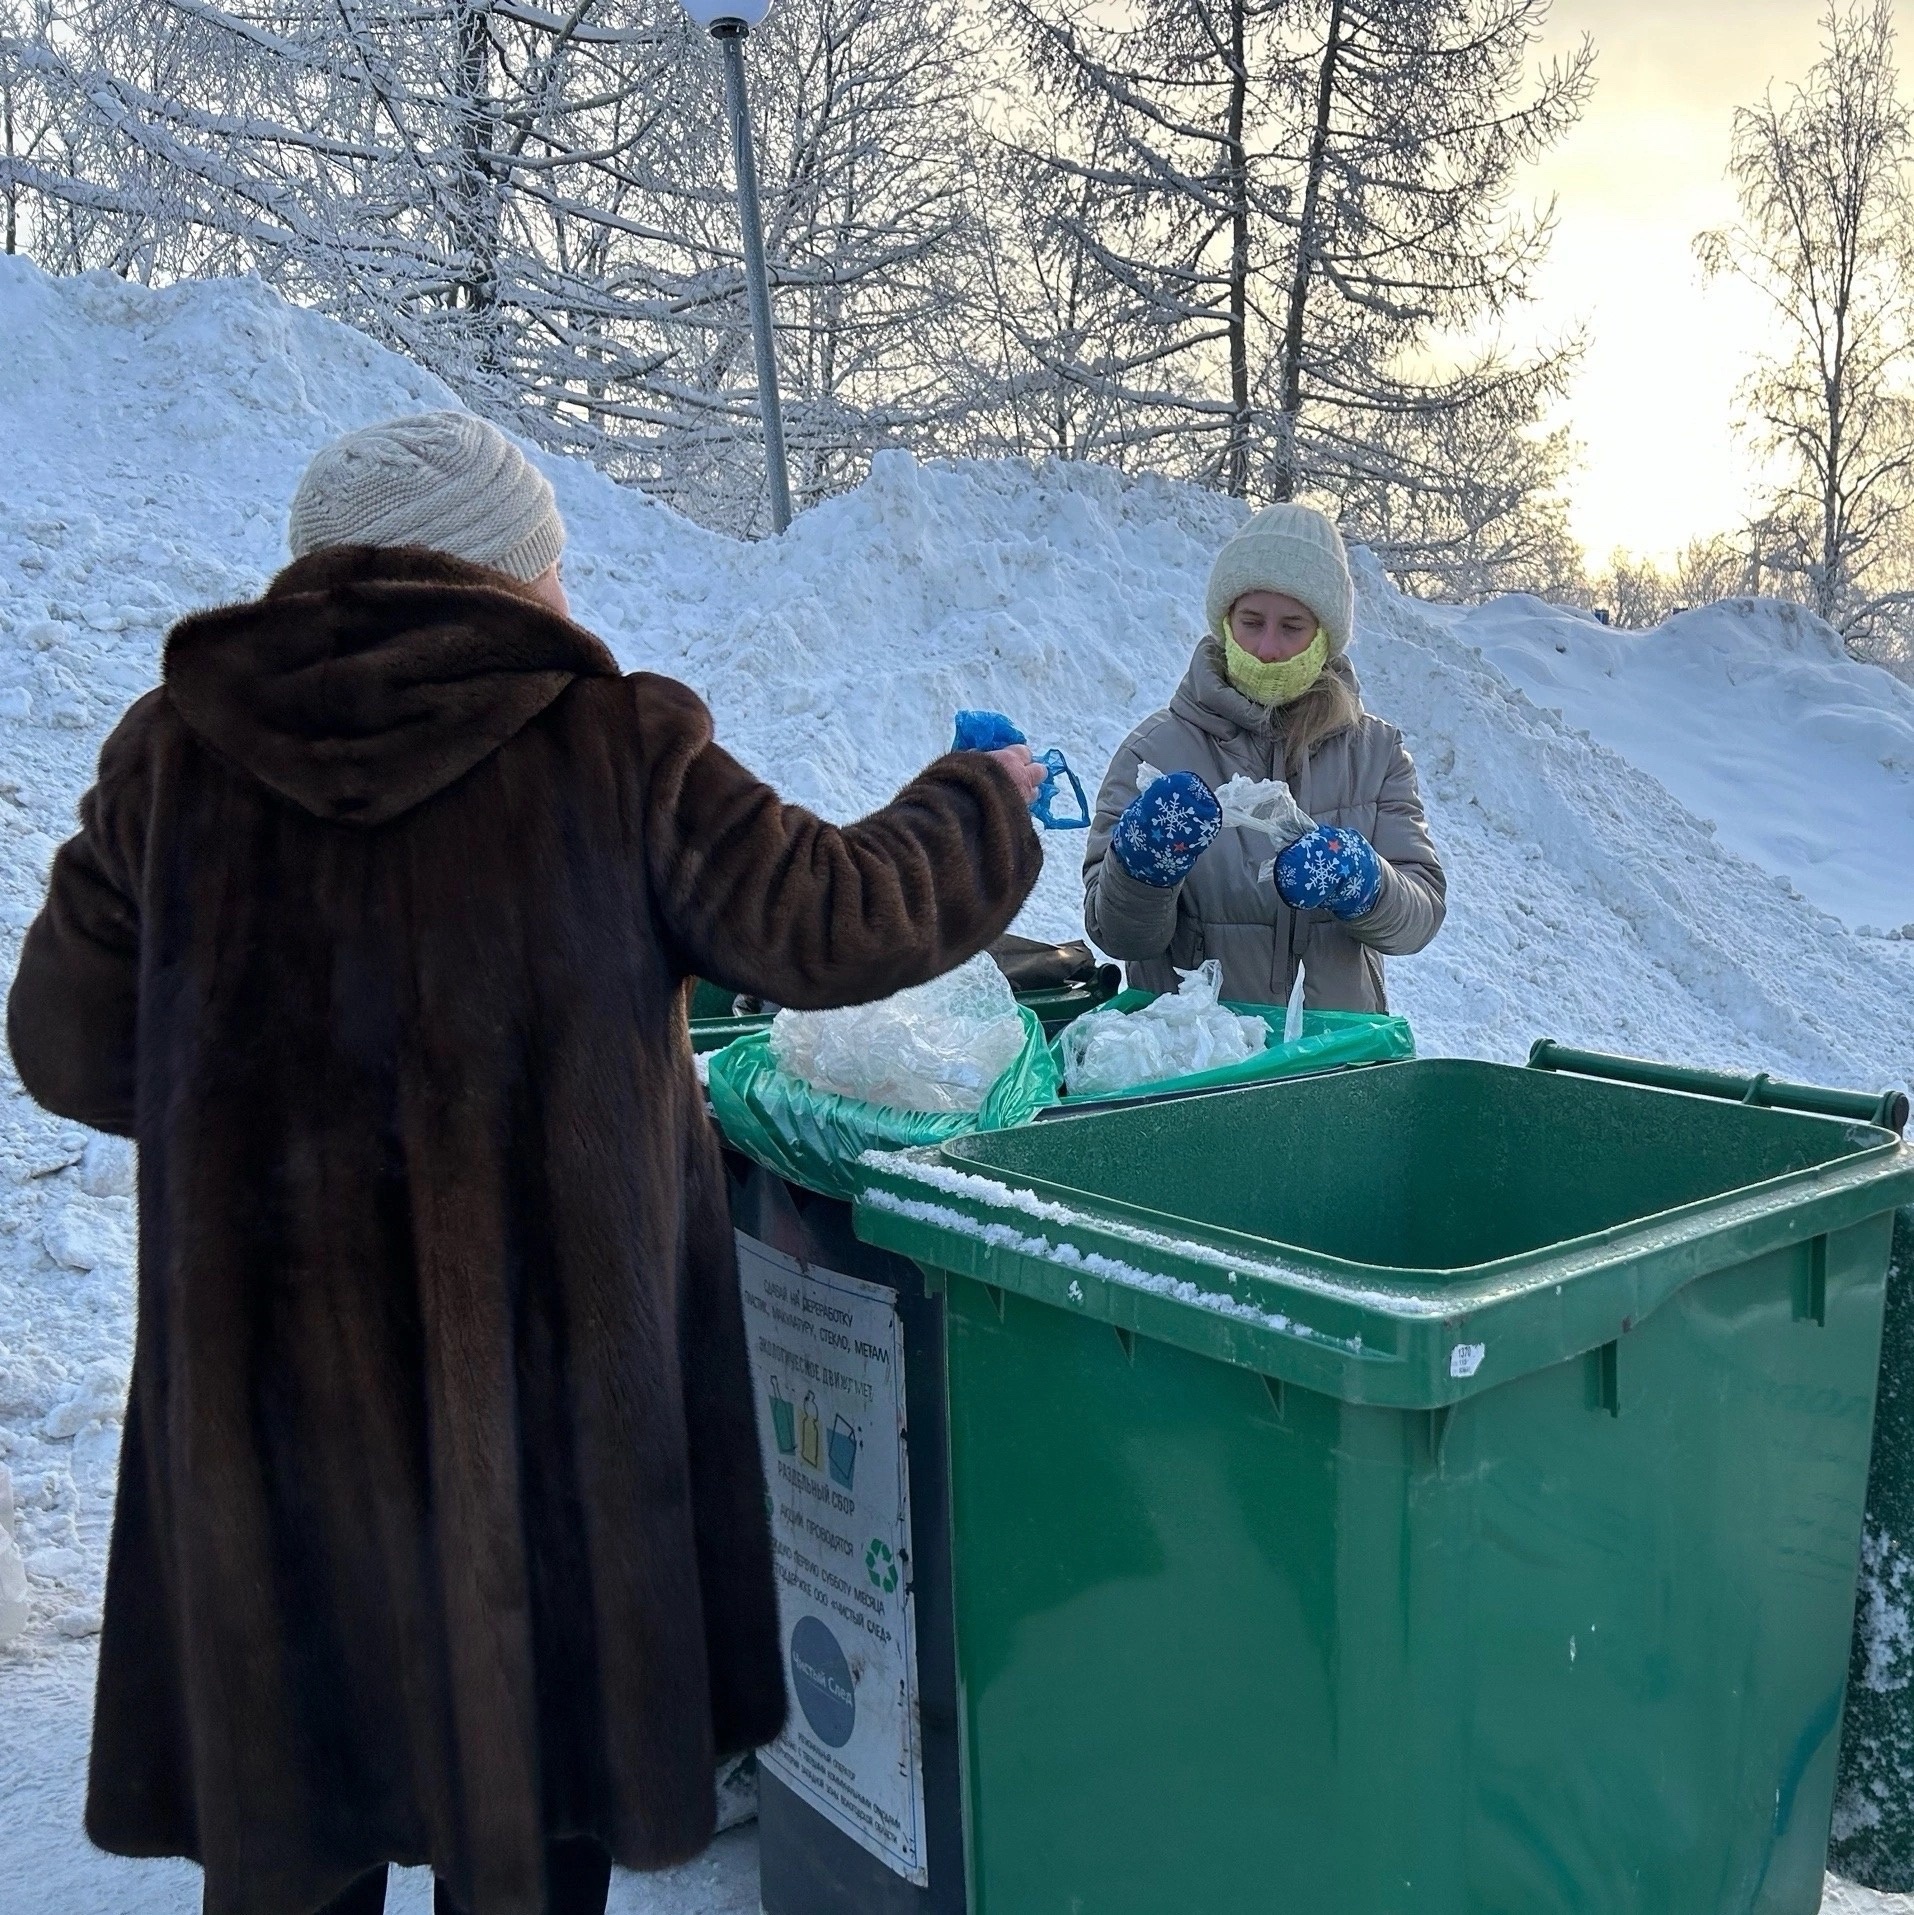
1292 549
444 480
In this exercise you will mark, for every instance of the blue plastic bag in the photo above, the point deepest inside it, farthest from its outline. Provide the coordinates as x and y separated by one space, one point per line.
992 731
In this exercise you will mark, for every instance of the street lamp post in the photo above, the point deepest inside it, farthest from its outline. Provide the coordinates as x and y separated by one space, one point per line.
728 22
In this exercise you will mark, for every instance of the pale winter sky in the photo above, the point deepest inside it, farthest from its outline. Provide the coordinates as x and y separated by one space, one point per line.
1641 175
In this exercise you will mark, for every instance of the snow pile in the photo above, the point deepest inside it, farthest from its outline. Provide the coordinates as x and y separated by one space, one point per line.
1588 904
153 442
1753 715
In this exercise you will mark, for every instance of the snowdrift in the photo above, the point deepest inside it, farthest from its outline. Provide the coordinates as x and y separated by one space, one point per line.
1753 715
152 442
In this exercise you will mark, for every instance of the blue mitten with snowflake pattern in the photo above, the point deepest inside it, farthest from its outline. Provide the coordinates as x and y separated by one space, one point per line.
1165 829
1333 869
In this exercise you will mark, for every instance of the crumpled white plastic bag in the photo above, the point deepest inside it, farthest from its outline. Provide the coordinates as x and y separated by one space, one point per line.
1175 1036
939 1047
1265 805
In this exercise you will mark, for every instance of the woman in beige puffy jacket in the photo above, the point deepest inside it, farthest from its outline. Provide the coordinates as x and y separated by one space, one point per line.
1269 694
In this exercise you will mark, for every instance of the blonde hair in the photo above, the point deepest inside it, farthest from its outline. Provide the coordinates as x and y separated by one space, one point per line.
1330 705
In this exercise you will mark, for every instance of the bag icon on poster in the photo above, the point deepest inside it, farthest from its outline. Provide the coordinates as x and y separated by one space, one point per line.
843 1451
811 1434
783 1420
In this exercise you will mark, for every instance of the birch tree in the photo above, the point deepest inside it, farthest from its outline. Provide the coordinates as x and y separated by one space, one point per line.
1827 236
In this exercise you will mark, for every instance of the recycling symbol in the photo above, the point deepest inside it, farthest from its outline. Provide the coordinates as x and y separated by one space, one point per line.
880 1565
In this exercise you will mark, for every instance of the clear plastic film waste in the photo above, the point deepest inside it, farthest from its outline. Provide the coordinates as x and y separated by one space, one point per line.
1293 1017
1264 805
1177 1035
947 1045
992 731
939 1047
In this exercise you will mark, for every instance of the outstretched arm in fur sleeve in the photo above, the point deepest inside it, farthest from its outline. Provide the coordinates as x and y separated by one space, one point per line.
764 897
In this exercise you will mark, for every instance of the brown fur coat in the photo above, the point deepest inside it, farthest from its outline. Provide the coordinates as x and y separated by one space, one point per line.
441 1528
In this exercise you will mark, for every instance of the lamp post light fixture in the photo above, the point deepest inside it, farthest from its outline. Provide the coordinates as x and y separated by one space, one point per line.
728 22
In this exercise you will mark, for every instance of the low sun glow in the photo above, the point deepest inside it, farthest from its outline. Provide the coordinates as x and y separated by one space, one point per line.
1655 402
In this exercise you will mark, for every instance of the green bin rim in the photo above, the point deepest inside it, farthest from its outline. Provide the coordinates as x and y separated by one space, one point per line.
1404 1339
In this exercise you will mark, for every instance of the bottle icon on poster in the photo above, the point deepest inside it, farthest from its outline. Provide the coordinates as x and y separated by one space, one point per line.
811 1433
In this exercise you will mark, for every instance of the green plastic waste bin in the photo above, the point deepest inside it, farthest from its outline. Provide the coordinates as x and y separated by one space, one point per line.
1433 1489
863 1812
1874 1804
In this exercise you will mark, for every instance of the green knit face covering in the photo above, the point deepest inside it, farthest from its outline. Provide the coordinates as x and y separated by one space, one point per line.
1282 682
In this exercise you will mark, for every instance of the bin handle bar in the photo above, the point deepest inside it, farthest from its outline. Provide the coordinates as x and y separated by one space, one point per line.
1889 1109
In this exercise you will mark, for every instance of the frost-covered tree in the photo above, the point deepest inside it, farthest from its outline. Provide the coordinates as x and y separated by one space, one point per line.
862 114
538 205
1274 235
1255 243
1827 234
1636 592
452 175
1140 197
1054 328
16 131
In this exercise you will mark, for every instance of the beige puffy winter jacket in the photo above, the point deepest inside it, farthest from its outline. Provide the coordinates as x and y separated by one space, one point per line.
1359 775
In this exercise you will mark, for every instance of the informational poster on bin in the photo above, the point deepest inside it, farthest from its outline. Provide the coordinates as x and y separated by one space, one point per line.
827 1360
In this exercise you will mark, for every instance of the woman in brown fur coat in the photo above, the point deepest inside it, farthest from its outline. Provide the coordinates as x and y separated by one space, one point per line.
441 1532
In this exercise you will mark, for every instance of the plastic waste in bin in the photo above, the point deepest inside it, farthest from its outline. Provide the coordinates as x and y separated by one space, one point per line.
1330 1040
1435 1487
1058 982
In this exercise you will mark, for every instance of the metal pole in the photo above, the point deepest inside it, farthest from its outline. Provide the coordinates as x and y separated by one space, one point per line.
730 35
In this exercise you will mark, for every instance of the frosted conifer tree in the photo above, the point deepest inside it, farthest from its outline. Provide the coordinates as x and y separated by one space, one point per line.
1289 221
1139 197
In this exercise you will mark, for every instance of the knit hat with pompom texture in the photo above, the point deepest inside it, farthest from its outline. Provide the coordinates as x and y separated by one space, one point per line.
1292 549
444 480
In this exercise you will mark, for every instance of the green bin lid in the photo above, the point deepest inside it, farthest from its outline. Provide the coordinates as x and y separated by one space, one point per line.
1403 1235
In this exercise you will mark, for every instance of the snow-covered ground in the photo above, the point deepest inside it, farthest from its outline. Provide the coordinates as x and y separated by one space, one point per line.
1680 878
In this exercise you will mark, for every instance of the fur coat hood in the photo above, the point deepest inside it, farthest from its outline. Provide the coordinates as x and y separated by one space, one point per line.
366 680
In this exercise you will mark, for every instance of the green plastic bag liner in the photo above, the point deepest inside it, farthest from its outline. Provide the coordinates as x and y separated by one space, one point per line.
815 1137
